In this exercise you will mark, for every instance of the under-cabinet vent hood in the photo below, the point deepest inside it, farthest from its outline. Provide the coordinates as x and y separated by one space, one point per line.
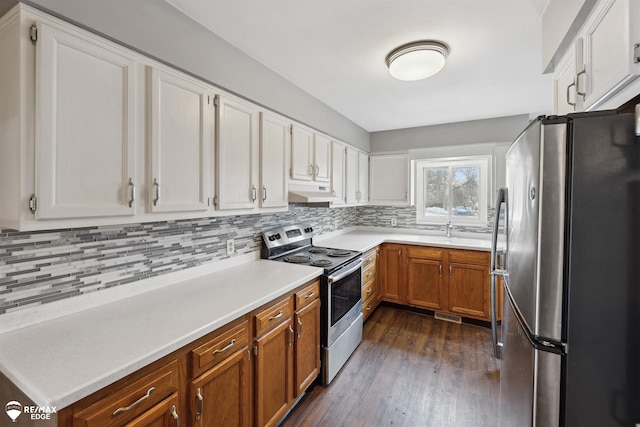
311 197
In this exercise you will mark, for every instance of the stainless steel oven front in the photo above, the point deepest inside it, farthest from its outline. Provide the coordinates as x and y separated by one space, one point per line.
342 320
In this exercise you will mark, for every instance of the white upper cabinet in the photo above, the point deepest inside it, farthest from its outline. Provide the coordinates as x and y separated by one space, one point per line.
237 154
600 68
310 155
322 158
302 167
356 176
274 161
363 177
181 136
609 40
389 177
85 139
338 170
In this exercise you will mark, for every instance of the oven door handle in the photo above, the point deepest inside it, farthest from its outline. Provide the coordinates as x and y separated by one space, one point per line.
332 279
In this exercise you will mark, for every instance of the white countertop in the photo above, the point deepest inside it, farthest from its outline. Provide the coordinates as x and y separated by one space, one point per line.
363 240
62 360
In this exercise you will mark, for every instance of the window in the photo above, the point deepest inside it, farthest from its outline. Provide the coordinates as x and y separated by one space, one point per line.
453 189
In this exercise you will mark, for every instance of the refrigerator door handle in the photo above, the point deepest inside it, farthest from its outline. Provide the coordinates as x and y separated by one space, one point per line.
501 199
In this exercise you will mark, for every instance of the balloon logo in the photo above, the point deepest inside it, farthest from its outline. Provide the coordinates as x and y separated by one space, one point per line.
13 409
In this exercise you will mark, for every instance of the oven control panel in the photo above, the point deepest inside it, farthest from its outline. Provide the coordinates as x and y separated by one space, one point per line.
285 235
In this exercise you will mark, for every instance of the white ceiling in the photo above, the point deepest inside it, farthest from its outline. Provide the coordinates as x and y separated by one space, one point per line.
335 50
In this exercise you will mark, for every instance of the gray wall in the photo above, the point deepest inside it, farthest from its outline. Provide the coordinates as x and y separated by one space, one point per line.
155 28
501 129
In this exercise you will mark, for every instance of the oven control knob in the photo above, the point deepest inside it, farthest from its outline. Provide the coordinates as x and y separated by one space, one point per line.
272 238
308 230
277 236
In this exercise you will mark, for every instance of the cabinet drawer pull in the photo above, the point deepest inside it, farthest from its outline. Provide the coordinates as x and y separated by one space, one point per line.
264 193
277 316
369 274
310 169
317 170
450 271
254 193
174 413
440 269
369 290
573 104
368 308
200 404
311 295
222 350
300 330
134 404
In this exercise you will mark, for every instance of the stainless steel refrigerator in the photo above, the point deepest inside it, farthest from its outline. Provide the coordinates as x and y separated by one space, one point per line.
570 334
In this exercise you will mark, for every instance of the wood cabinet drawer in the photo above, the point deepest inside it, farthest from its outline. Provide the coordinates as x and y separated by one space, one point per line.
369 273
427 252
370 257
131 400
469 257
370 288
219 348
308 295
274 315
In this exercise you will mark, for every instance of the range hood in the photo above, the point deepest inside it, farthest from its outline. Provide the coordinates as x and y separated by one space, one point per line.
311 197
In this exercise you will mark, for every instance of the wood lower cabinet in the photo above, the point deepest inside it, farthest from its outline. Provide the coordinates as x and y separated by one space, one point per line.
424 277
221 394
393 273
371 295
164 414
453 281
307 346
274 373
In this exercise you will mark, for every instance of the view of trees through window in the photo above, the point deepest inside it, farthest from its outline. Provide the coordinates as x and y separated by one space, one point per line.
452 191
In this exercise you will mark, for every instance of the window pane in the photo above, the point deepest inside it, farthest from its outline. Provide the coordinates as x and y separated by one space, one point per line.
436 191
465 192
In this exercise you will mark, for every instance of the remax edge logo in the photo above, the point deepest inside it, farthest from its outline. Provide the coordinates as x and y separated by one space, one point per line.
14 409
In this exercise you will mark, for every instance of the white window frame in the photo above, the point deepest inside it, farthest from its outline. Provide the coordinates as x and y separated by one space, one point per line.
483 162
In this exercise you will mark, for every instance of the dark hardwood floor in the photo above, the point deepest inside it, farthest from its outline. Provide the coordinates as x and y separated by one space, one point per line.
409 370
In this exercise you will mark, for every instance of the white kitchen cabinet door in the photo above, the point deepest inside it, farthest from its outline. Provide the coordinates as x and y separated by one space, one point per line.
564 85
389 179
338 164
351 175
238 154
321 158
363 177
181 135
274 161
301 153
609 46
85 139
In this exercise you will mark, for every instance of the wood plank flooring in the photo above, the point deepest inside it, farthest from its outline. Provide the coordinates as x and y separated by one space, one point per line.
409 370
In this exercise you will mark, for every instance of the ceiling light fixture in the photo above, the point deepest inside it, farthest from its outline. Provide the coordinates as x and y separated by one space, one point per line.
417 60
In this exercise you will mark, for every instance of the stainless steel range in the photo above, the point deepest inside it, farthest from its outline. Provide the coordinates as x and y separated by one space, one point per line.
340 290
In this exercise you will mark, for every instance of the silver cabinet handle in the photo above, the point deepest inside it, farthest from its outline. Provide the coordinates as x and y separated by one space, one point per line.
300 330
277 316
227 347
311 295
441 270
264 193
136 403
317 170
502 199
310 169
450 271
573 104
368 291
578 91
254 193
200 404
293 334
157 185
133 192
368 308
174 413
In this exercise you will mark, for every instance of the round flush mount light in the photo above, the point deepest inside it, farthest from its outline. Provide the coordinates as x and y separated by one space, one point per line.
417 60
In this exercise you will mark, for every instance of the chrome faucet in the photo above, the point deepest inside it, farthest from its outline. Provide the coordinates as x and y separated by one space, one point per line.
449 227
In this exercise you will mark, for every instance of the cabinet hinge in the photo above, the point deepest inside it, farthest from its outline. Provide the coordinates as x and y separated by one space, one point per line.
636 53
255 349
33 203
33 34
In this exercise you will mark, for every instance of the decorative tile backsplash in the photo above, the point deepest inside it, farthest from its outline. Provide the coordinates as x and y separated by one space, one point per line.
44 266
